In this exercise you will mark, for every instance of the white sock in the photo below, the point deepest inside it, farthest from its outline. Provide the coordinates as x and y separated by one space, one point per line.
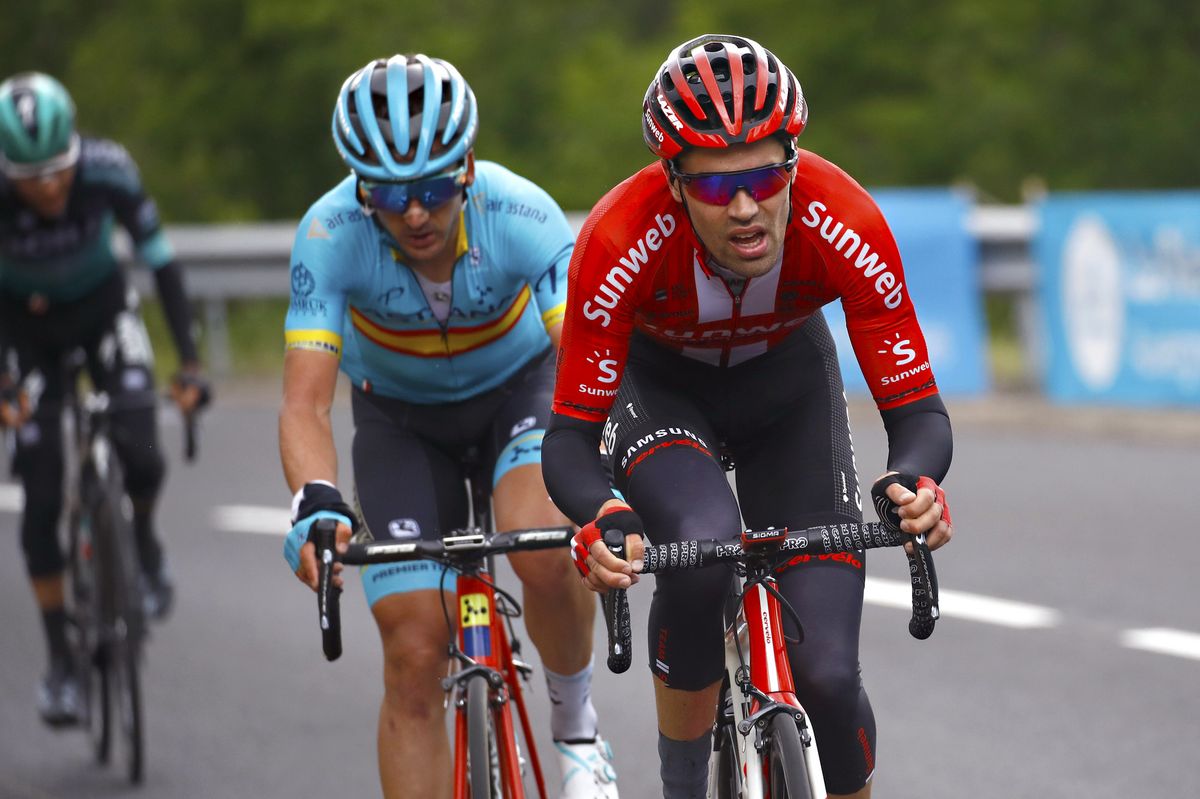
572 716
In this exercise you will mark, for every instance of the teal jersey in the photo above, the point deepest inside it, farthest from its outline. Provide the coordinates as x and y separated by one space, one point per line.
353 296
66 258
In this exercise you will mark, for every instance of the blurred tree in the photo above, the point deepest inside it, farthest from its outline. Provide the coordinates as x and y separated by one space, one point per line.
226 104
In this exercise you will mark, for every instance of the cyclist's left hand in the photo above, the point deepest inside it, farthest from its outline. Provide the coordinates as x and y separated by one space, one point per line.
600 568
190 390
922 511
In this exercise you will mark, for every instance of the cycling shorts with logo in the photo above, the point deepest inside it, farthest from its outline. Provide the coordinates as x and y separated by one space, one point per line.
106 326
411 460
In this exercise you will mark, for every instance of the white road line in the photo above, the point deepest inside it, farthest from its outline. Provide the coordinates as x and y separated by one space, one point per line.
12 498
1163 641
960 604
267 520
252 519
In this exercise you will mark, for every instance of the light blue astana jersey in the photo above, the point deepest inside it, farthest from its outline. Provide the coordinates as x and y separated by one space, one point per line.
353 296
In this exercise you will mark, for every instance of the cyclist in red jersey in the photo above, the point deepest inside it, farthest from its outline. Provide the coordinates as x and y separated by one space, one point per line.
693 334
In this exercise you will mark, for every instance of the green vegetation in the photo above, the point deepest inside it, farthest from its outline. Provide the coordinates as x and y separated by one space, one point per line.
226 104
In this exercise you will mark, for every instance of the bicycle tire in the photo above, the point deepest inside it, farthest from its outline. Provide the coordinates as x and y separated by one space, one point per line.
787 772
128 702
100 704
90 655
126 619
481 741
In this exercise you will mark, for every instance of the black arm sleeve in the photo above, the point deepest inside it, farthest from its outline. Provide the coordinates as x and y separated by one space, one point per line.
169 281
571 467
919 438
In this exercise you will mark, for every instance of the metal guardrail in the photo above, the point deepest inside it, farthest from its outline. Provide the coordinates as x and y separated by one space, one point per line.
250 261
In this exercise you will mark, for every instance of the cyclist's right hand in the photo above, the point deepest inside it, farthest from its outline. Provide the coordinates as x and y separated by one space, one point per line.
600 568
15 408
316 500
304 561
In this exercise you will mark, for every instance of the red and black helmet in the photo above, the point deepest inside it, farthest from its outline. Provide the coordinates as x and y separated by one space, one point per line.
718 90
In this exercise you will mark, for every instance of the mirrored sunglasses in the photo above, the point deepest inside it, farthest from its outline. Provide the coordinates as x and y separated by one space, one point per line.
432 192
719 188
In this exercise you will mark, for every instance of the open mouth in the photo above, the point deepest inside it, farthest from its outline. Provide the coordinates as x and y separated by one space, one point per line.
749 245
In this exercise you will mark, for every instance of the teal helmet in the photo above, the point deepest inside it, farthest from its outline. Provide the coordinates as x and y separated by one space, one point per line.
391 114
37 126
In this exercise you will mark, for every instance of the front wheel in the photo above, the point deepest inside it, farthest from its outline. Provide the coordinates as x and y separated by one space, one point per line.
482 763
127 702
100 708
786 770
125 624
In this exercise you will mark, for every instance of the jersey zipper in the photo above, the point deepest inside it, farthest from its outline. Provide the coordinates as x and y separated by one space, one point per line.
734 318
443 327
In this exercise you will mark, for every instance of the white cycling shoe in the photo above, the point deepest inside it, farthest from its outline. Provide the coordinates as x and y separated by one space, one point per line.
587 770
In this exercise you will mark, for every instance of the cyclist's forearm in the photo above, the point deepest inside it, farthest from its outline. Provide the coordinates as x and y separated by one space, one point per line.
306 446
920 440
572 470
168 280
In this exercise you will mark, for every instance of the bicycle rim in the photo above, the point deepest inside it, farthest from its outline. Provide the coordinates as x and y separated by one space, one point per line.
482 758
787 773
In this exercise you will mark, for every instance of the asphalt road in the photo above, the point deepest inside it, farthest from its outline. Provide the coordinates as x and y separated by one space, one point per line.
1086 519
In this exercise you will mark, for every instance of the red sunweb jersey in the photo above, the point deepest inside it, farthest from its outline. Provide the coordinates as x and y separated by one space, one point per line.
637 264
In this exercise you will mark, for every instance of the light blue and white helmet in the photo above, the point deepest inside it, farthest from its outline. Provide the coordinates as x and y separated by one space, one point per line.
404 118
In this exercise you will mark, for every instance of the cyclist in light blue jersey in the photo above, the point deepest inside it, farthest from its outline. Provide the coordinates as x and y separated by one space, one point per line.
438 285
402 331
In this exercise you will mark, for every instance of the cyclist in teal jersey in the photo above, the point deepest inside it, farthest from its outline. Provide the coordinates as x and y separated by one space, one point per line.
61 291
438 284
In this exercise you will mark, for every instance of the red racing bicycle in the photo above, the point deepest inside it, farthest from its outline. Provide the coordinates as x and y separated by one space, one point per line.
489 762
765 746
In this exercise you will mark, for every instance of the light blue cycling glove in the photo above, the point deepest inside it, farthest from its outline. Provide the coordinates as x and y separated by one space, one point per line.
316 500
298 536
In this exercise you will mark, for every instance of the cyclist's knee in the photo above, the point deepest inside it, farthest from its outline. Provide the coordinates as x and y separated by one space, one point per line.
413 630
695 594
39 526
686 627
144 475
544 573
827 686
43 555
136 440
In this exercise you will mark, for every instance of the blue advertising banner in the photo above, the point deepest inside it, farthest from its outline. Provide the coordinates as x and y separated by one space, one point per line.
941 268
1120 296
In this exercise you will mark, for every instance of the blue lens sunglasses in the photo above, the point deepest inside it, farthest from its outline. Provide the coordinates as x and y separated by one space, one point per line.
719 188
431 192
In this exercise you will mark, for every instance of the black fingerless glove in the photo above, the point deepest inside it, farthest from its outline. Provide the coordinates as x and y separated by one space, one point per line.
319 496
